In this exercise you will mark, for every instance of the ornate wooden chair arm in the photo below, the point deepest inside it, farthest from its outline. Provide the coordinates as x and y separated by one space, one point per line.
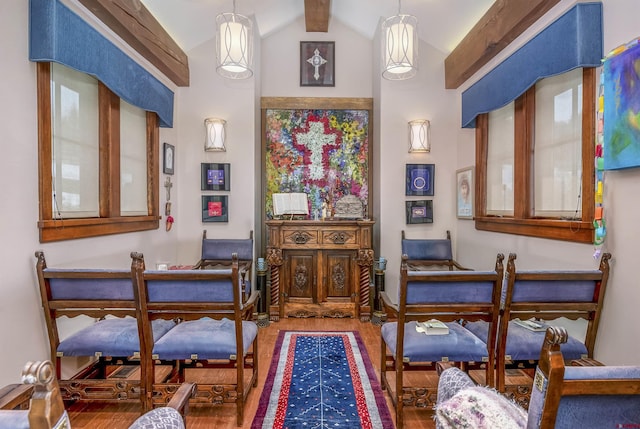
180 400
389 307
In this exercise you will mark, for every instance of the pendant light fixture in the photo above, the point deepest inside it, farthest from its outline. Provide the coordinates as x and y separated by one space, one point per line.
400 46
234 45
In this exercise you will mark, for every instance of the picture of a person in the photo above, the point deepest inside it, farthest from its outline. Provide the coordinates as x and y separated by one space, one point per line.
464 196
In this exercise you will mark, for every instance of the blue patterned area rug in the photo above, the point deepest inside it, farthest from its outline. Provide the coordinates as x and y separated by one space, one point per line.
321 380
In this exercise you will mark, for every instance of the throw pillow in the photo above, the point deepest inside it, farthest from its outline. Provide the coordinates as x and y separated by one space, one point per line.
480 408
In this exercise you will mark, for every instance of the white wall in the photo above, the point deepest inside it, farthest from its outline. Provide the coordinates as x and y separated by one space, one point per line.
422 97
23 333
395 103
478 248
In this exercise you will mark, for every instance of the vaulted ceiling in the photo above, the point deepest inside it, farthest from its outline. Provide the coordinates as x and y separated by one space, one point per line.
470 31
441 23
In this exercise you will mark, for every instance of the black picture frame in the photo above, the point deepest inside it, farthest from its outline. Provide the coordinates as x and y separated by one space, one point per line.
215 177
420 180
215 208
317 68
169 158
420 211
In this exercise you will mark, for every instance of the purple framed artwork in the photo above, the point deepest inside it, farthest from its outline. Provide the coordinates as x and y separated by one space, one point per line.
420 211
215 177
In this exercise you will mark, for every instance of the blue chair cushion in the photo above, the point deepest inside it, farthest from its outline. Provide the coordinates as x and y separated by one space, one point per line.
110 337
459 345
524 344
205 338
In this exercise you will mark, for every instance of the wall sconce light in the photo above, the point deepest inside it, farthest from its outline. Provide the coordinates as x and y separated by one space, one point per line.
400 46
234 45
419 136
216 135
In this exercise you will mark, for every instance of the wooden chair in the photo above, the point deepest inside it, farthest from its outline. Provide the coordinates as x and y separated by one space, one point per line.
216 253
429 253
589 397
43 407
545 295
112 343
448 296
212 332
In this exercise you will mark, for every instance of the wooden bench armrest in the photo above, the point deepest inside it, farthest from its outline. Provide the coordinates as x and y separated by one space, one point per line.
390 308
15 396
586 362
180 400
441 366
247 306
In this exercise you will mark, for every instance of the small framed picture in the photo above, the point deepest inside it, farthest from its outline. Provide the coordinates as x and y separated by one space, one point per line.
215 177
317 64
215 208
464 193
420 179
169 157
420 211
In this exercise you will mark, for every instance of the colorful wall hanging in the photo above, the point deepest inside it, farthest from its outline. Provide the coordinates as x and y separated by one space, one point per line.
622 107
323 153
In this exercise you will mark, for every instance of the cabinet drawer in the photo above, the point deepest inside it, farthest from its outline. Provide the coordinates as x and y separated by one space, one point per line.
299 237
340 237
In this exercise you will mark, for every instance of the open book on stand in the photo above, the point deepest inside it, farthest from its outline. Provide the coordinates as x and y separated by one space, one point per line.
432 327
295 203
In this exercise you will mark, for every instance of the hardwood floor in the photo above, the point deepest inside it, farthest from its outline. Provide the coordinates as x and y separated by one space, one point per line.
99 416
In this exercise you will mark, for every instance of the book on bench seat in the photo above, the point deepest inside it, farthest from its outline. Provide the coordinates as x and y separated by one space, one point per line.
432 327
531 325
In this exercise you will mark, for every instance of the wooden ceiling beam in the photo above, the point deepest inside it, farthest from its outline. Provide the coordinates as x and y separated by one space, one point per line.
316 15
504 21
133 22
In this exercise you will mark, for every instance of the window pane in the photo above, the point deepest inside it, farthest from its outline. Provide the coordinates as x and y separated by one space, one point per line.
133 160
500 158
74 111
558 145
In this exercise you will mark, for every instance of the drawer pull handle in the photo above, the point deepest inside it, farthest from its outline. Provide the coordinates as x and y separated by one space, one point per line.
338 238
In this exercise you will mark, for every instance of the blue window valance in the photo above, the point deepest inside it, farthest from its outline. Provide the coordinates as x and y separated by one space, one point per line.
58 35
573 40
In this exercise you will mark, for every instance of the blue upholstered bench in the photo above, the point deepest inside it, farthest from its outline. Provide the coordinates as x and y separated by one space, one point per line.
215 331
545 295
111 342
447 296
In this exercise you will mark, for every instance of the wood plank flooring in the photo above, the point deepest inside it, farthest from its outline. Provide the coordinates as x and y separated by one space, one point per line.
121 415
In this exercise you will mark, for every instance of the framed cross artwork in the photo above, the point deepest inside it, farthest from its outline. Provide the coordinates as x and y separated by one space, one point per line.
317 64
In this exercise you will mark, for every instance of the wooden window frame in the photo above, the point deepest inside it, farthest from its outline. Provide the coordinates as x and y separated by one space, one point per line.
109 221
523 221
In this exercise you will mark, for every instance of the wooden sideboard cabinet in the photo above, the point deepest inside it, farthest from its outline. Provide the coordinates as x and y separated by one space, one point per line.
319 268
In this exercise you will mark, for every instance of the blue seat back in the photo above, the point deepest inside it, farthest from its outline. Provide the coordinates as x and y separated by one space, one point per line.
427 249
82 284
569 290
181 287
222 249
458 291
